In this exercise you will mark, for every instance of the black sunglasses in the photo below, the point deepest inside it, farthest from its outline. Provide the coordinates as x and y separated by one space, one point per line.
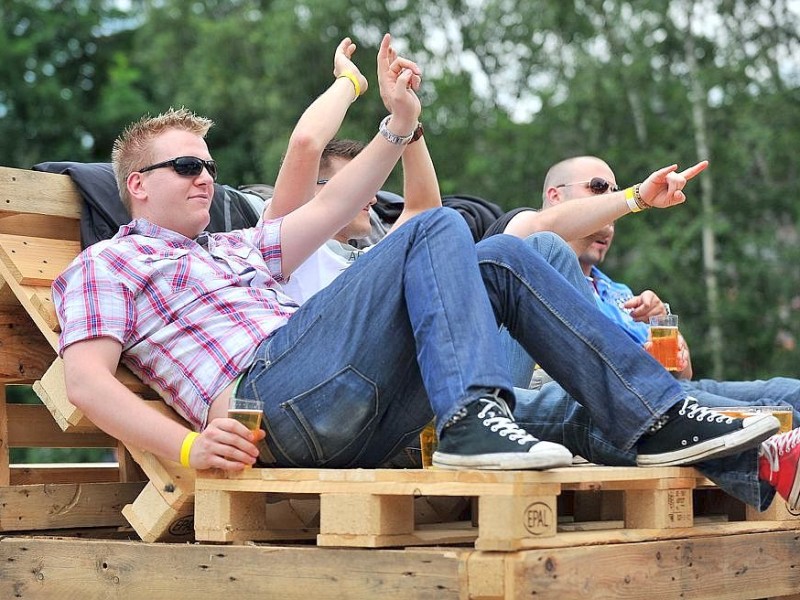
186 166
597 185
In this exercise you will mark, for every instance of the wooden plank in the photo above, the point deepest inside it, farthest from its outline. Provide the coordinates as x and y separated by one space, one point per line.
36 261
164 510
32 426
25 354
5 473
57 506
613 535
57 228
31 474
717 567
435 482
438 534
39 568
156 520
52 391
23 294
42 300
24 191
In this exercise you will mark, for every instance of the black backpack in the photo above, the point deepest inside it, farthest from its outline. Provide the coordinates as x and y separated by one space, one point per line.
478 212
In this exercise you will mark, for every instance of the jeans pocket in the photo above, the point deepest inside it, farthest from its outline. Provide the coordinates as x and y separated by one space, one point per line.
334 420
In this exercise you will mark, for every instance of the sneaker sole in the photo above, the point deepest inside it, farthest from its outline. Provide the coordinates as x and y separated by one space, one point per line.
508 461
756 432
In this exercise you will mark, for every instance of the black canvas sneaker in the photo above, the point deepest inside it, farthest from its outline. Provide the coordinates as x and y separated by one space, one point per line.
483 435
690 433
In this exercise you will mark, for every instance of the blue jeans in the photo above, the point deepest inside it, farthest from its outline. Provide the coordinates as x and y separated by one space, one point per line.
552 414
347 381
562 258
777 391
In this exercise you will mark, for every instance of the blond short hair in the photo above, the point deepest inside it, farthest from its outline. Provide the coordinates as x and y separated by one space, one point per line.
132 149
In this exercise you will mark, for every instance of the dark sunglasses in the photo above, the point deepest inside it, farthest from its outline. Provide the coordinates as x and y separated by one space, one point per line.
322 181
597 185
186 166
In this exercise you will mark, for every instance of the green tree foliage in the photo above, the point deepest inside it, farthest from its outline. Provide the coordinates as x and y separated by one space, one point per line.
54 68
511 86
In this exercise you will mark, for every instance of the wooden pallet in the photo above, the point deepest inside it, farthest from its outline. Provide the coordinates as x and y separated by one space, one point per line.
516 510
39 215
721 565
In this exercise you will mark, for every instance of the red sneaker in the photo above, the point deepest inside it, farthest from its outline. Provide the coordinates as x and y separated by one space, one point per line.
778 465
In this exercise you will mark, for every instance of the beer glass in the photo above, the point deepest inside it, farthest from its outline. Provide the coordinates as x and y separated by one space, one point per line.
247 412
664 340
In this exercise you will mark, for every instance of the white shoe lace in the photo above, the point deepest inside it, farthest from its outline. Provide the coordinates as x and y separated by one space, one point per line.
778 445
497 416
693 410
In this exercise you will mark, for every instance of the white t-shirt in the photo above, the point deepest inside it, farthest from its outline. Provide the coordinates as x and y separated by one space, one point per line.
320 269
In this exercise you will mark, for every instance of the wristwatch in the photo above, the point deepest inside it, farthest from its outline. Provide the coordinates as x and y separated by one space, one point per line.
418 132
393 138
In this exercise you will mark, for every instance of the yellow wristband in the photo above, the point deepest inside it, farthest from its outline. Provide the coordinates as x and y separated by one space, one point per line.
354 79
186 447
630 200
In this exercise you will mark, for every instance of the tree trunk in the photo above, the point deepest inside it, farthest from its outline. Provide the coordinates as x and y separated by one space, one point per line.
697 99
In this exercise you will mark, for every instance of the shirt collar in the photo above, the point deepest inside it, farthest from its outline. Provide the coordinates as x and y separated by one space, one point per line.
145 228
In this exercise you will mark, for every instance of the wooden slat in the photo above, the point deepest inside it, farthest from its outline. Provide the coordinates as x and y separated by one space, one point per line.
438 482
52 391
25 354
57 228
36 261
24 191
722 567
57 506
5 474
42 300
39 568
32 426
31 474
156 520
23 296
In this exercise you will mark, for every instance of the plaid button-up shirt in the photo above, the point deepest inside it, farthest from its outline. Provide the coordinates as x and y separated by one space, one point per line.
189 316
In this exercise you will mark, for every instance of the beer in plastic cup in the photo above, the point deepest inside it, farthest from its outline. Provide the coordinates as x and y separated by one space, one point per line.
247 412
664 340
427 444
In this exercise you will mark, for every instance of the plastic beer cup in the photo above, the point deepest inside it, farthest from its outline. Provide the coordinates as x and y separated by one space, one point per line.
782 413
248 413
427 444
664 340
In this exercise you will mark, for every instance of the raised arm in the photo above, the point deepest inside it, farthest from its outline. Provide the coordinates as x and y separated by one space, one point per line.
580 217
317 125
420 185
91 386
307 228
